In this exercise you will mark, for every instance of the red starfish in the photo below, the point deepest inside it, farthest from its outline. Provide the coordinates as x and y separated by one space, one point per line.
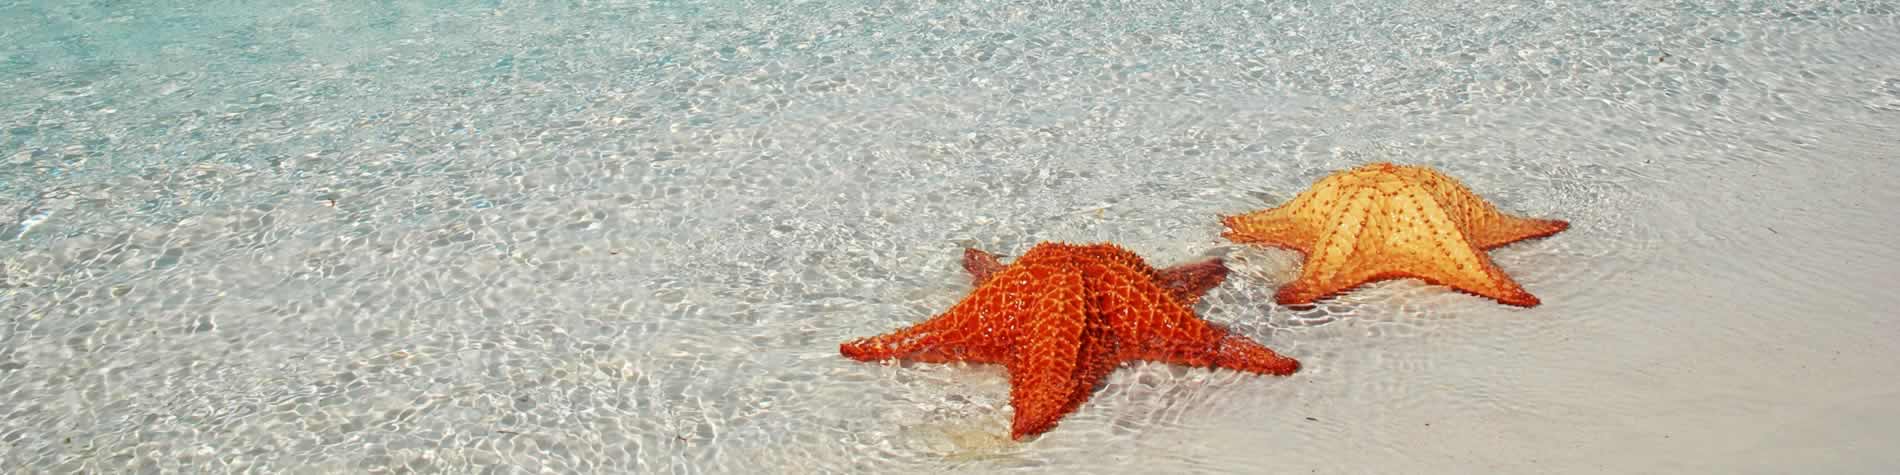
1063 316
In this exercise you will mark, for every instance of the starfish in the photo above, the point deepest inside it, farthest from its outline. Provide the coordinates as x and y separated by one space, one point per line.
1382 221
1063 316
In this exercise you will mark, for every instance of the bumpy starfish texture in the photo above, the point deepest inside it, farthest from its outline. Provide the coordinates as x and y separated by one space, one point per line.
1063 316
1382 221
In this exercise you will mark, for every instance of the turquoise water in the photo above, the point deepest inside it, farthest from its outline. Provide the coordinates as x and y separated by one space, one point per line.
611 237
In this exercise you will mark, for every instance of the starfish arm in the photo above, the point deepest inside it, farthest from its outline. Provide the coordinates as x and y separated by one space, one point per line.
1427 245
1191 281
1506 229
1146 324
1488 227
1151 329
981 265
1337 255
1046 360
1275 227
934 341
1306 291
1215 347
955 335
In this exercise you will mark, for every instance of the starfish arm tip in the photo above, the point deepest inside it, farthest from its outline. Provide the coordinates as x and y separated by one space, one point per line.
1295 294
980 264
1507 292
1292 366
1546 227
1242 354
1521 299
1193 280
1025 425
1278 366
1533 229
856 350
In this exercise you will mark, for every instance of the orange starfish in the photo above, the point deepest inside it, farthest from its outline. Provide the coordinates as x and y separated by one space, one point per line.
1063 316
1383 221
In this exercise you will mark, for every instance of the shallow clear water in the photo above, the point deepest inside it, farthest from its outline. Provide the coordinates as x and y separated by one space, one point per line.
603 236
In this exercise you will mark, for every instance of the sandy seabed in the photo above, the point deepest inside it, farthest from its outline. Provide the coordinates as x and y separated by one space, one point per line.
622 237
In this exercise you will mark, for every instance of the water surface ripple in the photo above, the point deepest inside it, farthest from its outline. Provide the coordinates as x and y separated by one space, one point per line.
613 237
